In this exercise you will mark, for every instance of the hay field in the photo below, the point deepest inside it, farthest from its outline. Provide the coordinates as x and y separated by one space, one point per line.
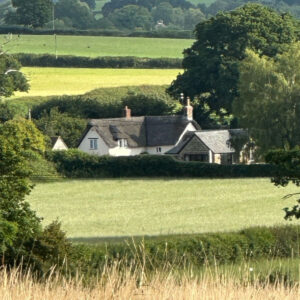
73 81
121 207
117 283
93 46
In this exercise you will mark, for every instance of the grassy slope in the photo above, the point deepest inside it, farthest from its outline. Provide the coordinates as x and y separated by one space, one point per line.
99 46
150 207
71 81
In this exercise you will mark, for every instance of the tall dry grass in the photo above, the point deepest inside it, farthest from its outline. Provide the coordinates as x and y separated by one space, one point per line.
116 283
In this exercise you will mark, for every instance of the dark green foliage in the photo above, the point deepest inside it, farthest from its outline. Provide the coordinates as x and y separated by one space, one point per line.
8 231
11 79
47 60
55 123
34 13
194 250
74 13
7 112
150 105
288 163
211 64
76 164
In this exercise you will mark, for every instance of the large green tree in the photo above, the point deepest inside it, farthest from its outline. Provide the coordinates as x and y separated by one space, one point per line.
11 79
75 13
211 64
35 13
269 102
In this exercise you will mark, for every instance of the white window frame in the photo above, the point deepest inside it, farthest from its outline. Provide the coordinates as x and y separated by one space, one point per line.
93 144
122 143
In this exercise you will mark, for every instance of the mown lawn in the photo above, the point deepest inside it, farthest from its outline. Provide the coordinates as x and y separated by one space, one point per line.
72 81
94 46
121 207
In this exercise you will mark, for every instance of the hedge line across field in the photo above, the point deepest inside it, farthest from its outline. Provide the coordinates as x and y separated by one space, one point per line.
69 61
197 249
77 164
172 34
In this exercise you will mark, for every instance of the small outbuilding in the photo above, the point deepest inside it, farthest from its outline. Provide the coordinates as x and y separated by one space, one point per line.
212 146
58 143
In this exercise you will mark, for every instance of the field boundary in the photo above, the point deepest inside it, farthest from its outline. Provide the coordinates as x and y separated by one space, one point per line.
118 62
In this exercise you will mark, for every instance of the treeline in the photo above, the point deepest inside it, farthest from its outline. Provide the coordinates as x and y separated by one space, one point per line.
69 61
126 15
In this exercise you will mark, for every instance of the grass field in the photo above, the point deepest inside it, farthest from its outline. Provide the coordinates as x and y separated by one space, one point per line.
94 46
72 81
111 208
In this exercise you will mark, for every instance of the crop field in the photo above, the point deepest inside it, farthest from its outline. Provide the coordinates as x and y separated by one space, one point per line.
93 46
122 207
73 81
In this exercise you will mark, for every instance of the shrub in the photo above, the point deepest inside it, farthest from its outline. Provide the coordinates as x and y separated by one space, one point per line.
196 250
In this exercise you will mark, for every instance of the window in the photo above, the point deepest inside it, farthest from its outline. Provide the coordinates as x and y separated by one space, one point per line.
93 144
197 157
158 149
122 143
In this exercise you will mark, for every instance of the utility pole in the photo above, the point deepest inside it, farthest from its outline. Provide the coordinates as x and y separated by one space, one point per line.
53 27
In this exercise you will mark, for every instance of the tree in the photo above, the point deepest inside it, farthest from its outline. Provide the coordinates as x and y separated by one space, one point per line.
131 17
90 3
35 13
288 163
62 124
11 79
269 102
211 64
75 13
22 239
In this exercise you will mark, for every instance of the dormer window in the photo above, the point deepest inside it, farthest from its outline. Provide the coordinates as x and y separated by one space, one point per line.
93 144
122 143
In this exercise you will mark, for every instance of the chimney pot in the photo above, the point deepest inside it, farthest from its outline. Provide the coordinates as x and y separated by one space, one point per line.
127 112
188 110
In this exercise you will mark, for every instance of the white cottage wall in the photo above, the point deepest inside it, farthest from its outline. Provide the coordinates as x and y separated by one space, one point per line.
124 151
85 143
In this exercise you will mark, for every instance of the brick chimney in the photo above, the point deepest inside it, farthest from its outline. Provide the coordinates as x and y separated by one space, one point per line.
188 110
127 112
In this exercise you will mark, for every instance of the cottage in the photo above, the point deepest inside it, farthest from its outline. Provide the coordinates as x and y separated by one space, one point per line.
136 135
180 136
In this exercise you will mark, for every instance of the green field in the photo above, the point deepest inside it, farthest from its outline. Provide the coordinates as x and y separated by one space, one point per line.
72 81
121 207
94 46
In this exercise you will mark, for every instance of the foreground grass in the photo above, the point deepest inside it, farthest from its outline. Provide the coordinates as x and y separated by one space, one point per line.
120 207
116 282
93 46
72 81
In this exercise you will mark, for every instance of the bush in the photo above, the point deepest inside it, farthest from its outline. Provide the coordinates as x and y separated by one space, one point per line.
196 250
76 164
69 61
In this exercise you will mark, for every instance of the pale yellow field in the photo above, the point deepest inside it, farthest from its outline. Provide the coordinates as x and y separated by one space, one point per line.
73 81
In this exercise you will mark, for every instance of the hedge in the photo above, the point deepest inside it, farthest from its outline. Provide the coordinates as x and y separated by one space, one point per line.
76 164
197 249
175 34
48 60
